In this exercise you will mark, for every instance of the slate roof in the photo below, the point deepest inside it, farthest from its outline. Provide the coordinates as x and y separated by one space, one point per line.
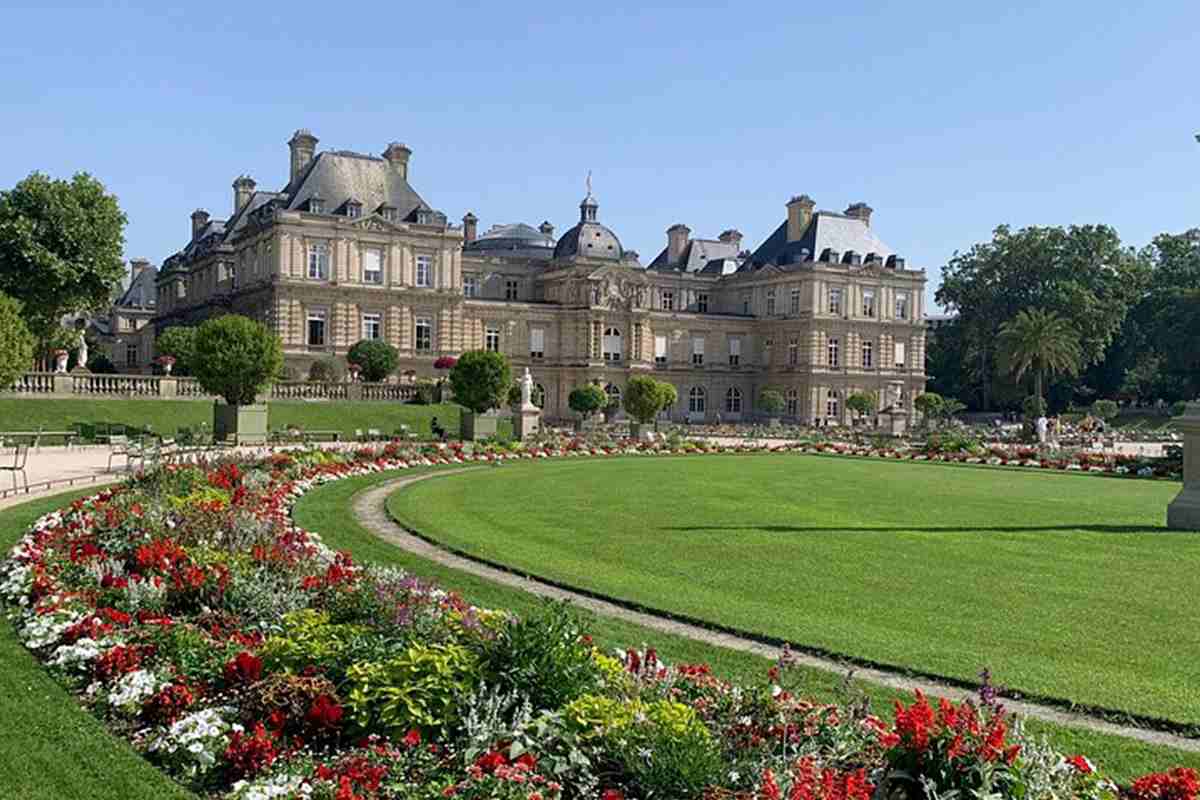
513 240
141 292
701 255
257 200
339 175
827 231
589 240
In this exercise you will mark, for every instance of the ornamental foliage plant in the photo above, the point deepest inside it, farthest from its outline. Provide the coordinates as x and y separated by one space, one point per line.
771 402
645 397
377 358
587 400
480 380
929 405
862 403
1041 343
236 358
16 343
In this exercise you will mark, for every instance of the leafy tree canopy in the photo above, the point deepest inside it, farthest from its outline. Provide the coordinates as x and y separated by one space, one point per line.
772 401
480 380
178 341
1041 343
60 247
645 397
236 358
587 400
861 402
376 358
16 343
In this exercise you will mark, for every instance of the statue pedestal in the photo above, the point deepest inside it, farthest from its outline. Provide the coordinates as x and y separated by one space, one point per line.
1184 511
527 421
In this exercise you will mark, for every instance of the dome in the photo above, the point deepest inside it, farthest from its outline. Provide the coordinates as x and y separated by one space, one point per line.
589 239
514 236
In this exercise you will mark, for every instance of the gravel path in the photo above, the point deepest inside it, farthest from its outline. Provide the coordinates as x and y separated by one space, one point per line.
369 509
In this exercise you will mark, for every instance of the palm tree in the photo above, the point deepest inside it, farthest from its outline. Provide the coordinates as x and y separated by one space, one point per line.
1040 342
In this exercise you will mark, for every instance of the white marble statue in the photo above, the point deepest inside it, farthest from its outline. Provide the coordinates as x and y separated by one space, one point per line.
526 389
82 360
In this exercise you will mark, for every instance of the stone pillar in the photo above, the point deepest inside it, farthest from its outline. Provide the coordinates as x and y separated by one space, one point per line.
64 385
1184 511
168 387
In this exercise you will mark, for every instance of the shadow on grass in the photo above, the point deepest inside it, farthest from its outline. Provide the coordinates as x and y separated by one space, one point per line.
928 529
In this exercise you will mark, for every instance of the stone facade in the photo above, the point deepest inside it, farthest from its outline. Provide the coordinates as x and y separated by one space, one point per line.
125 333
348 250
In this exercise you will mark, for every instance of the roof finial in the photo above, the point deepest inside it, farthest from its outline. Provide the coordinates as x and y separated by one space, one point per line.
589 183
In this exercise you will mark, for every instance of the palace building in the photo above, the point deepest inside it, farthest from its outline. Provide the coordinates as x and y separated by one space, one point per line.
349 250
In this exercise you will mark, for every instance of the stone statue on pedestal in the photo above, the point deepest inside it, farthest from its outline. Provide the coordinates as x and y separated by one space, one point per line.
83 353
527 418
526 389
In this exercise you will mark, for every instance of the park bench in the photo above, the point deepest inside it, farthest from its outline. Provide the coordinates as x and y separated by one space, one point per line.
20 458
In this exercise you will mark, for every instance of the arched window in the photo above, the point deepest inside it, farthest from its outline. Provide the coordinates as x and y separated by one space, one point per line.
614 394
832 404
696 400
612 344
793 403
539 395
733 400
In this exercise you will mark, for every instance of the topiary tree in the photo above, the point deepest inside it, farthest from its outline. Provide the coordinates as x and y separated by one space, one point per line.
480 380
1106 410
587 400
646 397
930 405
772 402
236 358
16 342
862 403
178 341
377 359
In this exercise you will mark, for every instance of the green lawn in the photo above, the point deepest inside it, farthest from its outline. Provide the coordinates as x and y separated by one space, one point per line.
166 416
1065 586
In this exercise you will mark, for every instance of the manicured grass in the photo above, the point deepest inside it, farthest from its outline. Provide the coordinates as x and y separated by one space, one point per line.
327 510
1065 586
50 748
167 416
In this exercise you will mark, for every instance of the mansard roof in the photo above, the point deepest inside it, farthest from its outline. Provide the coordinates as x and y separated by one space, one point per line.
339 175
701 255
827 231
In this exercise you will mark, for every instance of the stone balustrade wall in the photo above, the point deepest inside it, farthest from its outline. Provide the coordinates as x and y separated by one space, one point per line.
57 385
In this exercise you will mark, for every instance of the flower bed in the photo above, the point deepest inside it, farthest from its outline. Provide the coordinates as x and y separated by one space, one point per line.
248 660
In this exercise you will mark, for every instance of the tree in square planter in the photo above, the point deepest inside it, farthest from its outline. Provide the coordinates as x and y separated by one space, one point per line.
236 359
480 380
772 403
645 398
586 401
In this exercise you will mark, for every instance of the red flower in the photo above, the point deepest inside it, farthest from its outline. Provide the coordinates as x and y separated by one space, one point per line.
612 794
243 668
325 712
412 738
249 755
490 761
1180 783
1082 764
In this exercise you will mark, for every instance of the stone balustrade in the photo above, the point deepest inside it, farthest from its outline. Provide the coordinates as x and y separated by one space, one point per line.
34 385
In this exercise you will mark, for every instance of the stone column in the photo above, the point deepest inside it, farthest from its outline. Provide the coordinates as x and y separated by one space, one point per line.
1184 511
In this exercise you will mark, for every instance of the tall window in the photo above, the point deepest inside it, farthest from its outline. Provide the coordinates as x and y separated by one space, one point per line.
794 306
770 302
424 271
733 400
318 261
746 304
660 349
832 349
612 344
735 351
614 394
898 349
372 326
835 301
901 305
702 303
131 354
537 342
868 355
510 290
868 305
832 404
793 403
793 352
698 351
372 265
470 286
424 334
491 339
316 328
668 301
696 400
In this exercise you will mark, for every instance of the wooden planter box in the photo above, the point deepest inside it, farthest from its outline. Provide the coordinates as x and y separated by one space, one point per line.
246 424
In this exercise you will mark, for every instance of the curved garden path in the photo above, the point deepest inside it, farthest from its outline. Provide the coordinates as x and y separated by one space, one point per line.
369 507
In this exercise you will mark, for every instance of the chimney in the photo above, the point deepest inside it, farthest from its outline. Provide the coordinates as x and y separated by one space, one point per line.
732 236
677 240
303 145
860 211
800 211
137 266
546 229
469 223
199 220
397 155
243 189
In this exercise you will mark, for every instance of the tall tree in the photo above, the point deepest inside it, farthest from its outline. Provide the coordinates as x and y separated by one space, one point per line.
60 247
1040 343
16 344
1081 273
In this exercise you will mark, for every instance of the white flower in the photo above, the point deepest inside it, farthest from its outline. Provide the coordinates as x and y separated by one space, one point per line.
132 688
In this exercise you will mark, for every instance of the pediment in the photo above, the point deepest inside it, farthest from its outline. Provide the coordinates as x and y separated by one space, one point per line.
374 222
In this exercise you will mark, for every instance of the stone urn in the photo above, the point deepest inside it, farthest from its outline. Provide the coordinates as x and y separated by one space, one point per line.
60 360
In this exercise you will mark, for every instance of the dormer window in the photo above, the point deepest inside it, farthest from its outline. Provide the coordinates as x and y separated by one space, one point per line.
388 213
353 209
316 205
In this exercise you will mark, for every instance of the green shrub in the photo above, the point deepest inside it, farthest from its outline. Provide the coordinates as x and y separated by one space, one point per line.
236 358
425 394
772 402
1106 410
178 341
480 380
16 343
101 364
861 403
309 638
420 688
645 397
325 370
543 656
376 358
587 400
929 404
1033 407
1178 408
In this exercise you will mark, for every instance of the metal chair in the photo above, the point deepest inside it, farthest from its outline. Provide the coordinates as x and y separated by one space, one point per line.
20 458
120 446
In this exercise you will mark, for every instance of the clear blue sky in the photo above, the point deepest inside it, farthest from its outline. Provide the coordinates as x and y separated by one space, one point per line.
948 118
